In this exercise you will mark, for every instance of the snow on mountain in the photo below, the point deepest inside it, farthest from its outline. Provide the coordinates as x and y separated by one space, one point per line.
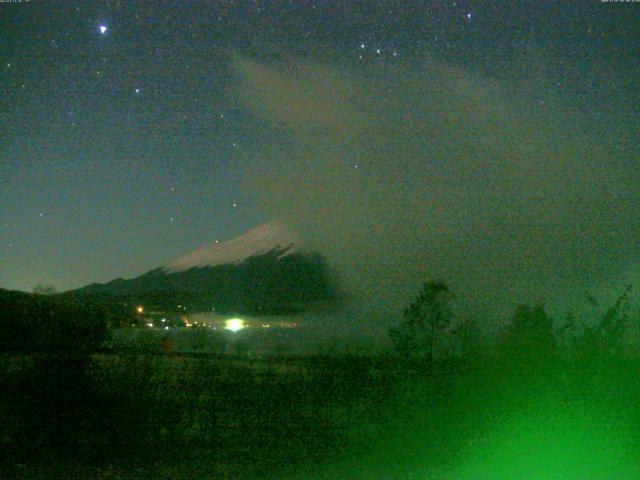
258 241
266 271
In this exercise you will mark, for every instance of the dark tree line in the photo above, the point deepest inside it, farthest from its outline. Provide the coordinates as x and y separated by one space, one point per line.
49 323
531 333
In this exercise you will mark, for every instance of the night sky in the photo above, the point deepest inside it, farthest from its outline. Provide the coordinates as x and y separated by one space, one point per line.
493 144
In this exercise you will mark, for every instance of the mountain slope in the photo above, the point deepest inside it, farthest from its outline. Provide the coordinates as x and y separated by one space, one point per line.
264 271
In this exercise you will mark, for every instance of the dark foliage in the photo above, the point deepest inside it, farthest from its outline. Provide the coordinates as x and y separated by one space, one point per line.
429 314
39 323
529 335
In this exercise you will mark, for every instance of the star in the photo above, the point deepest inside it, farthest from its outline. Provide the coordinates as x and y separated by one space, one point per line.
103 29
137 90
469 15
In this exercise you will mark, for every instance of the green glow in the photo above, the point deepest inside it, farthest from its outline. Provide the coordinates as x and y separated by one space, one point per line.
556 442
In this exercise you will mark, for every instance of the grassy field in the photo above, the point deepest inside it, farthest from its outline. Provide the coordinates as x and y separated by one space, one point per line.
207 416
114 410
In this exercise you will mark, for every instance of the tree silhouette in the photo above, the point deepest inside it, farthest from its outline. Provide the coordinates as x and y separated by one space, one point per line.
529 333
606 336
416 336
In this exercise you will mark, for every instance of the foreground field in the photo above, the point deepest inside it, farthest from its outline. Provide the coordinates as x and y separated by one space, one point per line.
202 416
127 410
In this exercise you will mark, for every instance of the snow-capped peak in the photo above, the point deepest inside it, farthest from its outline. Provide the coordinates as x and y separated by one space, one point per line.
258 241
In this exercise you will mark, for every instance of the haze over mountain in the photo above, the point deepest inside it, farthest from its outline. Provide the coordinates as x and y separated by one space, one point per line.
264 271
491 181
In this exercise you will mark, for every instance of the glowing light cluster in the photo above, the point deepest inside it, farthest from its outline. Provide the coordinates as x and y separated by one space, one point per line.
234 324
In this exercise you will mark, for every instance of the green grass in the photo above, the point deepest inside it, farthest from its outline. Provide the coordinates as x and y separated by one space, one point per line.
140 416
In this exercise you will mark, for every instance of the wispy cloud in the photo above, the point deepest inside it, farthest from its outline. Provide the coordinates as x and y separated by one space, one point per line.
432 171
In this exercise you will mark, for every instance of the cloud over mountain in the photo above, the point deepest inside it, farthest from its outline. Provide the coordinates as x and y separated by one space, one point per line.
429 170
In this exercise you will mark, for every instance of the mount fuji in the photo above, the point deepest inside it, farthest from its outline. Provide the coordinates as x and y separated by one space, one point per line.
264 271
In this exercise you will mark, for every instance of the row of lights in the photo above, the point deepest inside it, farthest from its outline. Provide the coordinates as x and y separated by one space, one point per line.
232 324
140 308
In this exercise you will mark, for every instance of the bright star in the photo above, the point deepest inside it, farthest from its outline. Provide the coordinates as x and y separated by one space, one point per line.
469 15
103 29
